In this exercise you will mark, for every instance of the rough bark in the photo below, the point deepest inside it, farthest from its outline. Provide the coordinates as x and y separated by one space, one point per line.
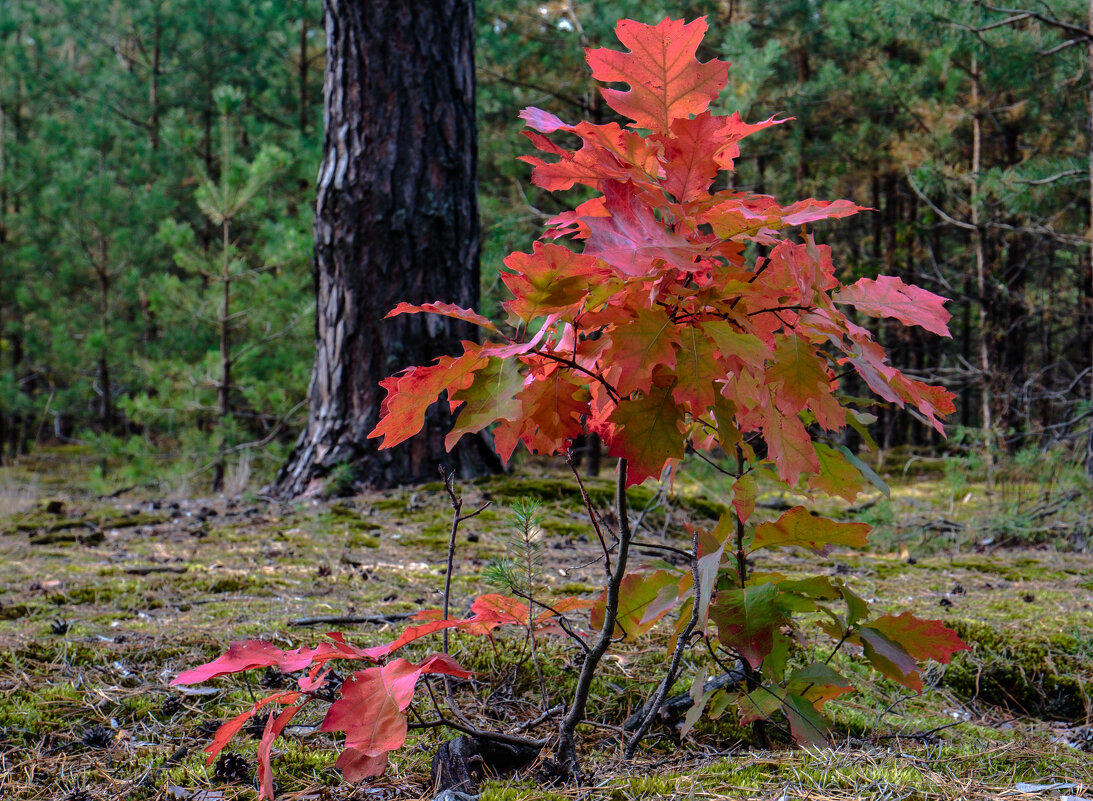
396 219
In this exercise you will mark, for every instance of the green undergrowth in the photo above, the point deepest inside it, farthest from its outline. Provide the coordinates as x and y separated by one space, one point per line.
92 632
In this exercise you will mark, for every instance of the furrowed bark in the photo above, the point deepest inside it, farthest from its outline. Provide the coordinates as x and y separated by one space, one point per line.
396 219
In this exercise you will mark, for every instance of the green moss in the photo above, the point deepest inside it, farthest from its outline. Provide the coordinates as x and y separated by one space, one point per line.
358 540
1041 676
516 791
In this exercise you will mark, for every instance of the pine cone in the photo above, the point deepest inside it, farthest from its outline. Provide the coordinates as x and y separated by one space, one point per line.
231 768
97 736
79 795
172 705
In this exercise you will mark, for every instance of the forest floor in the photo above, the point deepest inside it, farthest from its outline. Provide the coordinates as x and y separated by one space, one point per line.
104 600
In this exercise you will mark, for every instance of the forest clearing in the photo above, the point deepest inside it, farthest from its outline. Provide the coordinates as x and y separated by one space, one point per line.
104 601
634 462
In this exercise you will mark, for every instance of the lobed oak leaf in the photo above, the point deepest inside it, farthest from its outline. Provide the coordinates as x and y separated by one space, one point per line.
799 527
644 598
742 351
888 296
412 633
490 396
691 156
797 376
228 730
549 280
357 766
631 238
837 475
643 342
500 609
733 131
248 655
806 724
922 639
542 121
889 658
696 369
807 211
818 683
446 310
788 444
372 709
649 431
747 620
553 408
274 726
744 493
411 392
666 81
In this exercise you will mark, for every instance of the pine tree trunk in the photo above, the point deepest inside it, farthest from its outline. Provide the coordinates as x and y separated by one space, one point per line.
396 219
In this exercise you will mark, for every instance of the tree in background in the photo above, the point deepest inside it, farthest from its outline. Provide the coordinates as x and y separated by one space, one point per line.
396 218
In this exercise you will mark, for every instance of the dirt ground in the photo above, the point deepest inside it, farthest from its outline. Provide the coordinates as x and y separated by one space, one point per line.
104 600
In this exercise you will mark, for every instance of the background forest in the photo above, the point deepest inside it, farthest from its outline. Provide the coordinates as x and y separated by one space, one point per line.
157 167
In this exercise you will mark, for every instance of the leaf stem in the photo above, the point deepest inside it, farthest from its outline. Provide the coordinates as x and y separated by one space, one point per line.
567 749
682 642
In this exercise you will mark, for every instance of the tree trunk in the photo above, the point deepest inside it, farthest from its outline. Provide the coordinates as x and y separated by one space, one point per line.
396 219
1089 272
986 373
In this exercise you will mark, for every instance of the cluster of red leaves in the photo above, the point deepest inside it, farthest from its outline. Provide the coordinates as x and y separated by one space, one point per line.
657 327
373 703
661 330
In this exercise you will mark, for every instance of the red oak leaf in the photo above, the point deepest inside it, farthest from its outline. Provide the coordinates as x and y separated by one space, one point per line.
228 730
922 639
888 296
666 81
447 310
372 709
357 766
274 726
411 392
632 238
247 656
788 444
649 431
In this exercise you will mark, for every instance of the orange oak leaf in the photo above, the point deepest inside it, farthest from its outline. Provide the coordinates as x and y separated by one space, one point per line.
666 81
799 527
447 310
549 280
411 392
